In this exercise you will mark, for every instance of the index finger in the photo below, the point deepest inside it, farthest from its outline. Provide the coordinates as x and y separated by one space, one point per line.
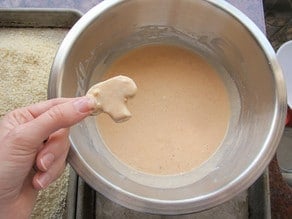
59 116
37 109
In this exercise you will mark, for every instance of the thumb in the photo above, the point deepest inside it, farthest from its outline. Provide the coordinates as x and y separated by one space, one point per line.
57 117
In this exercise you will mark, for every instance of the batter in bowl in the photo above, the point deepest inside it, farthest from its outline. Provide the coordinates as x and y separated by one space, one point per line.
180 113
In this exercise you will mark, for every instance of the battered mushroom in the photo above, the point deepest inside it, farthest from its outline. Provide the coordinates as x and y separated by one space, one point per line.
111 97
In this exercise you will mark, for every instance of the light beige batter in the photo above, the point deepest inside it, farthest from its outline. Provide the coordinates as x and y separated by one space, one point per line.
111 96
180 114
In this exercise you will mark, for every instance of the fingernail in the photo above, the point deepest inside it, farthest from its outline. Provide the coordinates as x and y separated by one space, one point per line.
84 104
43 180
47 160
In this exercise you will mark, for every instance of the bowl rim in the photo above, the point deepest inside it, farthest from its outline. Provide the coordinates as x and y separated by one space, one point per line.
154 206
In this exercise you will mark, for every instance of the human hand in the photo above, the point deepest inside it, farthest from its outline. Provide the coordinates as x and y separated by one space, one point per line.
35 135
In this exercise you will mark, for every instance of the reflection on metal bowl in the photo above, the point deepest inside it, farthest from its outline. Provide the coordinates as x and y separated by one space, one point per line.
241 54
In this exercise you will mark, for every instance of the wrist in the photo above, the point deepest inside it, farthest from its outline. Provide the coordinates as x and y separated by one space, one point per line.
12 212
19 208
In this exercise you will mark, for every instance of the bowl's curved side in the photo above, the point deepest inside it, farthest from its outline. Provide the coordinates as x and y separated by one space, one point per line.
61 76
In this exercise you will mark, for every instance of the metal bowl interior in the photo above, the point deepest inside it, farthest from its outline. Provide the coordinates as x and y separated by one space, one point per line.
233 45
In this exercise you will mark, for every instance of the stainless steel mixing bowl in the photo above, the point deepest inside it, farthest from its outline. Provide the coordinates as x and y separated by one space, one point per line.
237 49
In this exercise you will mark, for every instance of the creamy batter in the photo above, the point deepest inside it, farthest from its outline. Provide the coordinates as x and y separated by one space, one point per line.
111 96
180 112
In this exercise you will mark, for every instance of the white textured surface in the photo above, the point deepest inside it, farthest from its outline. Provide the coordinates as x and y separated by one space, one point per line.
26 56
